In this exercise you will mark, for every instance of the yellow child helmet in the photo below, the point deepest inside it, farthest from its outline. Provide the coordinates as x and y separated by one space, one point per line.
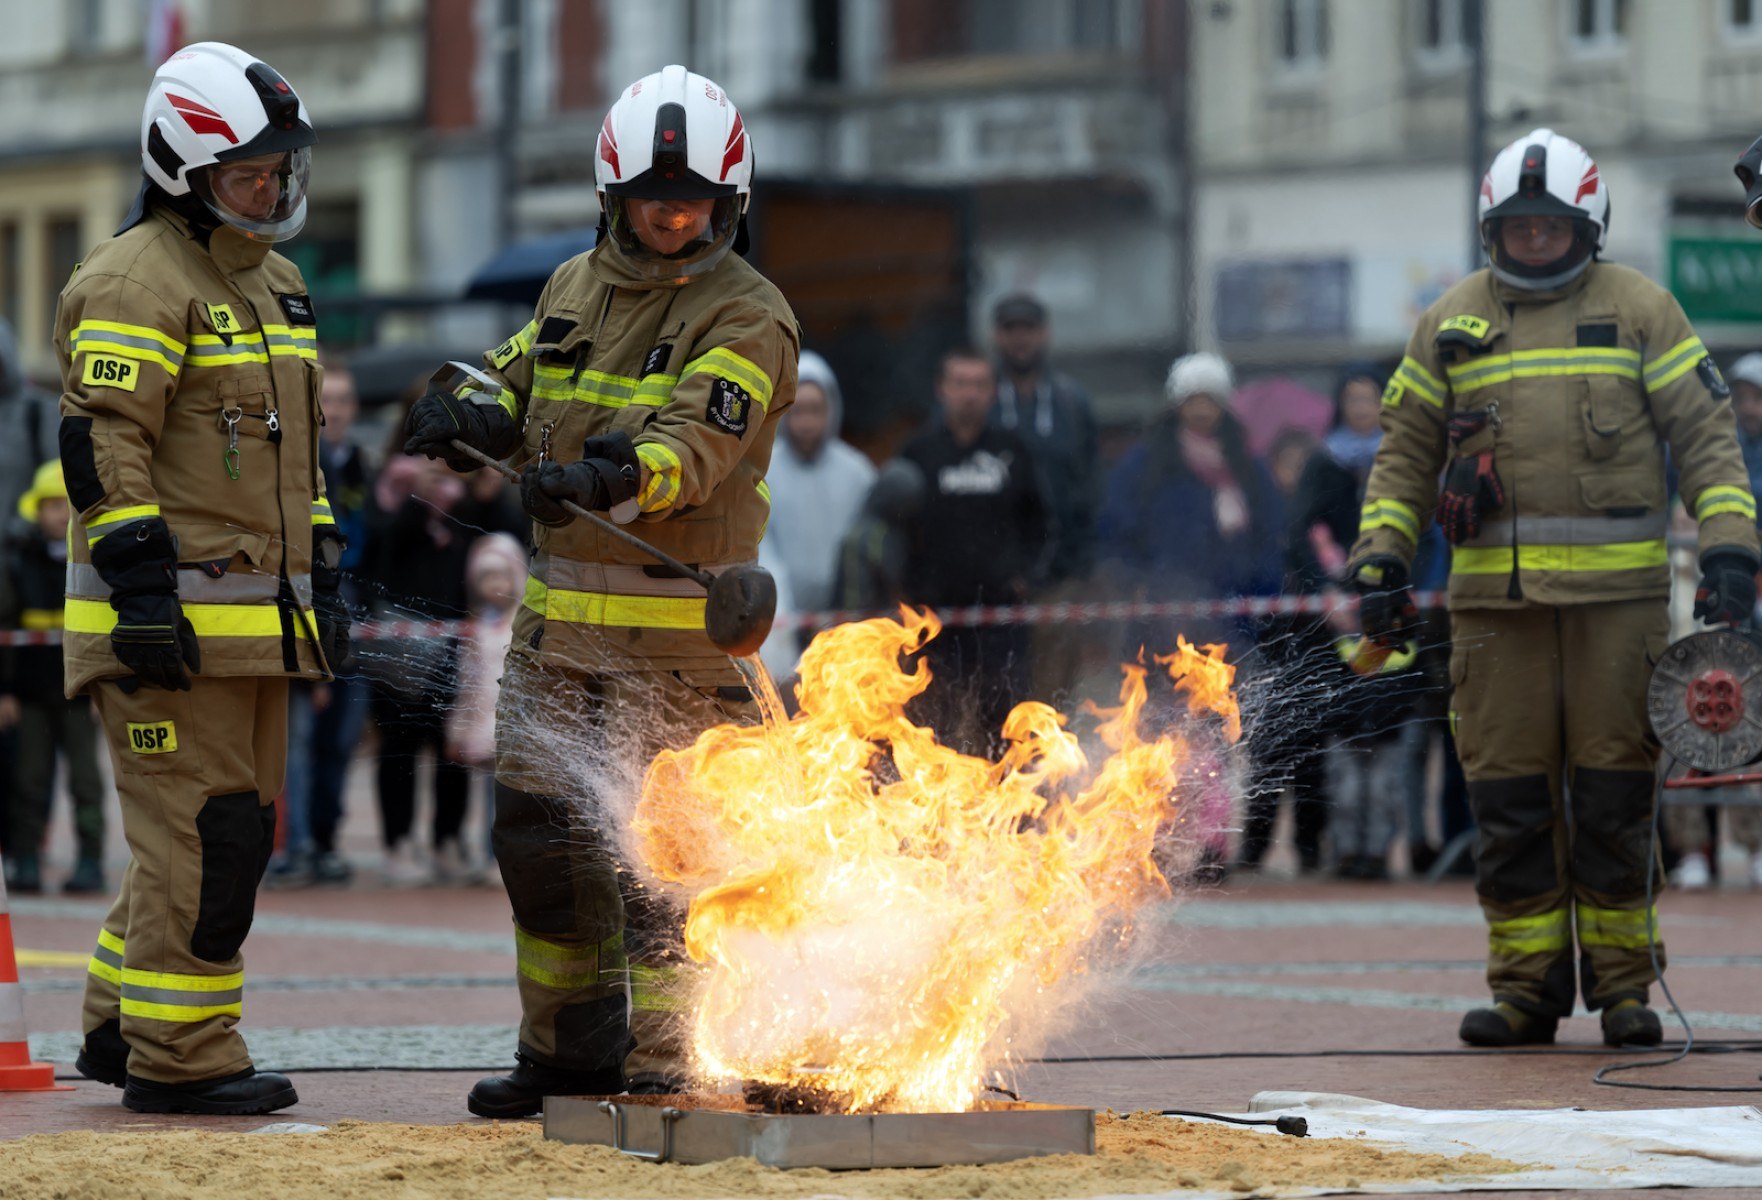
46 484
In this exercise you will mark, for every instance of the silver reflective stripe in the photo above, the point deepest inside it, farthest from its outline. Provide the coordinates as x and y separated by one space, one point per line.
107 956
126 339
616 579
180 997
1572 531
196 586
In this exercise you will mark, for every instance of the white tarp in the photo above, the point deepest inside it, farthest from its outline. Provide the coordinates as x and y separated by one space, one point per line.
1561 1148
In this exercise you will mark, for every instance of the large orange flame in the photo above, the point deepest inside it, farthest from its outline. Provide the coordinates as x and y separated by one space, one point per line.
880 915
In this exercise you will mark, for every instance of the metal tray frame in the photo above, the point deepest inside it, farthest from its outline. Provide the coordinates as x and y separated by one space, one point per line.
703 1129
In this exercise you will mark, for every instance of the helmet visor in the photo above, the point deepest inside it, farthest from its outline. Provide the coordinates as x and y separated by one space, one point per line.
263 197
673 238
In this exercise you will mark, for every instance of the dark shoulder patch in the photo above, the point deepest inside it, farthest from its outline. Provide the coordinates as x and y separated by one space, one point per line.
1712 379
657 359
553 330
729 406
1602 333
299 309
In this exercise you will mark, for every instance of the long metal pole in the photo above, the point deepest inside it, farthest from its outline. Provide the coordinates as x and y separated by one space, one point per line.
1474 36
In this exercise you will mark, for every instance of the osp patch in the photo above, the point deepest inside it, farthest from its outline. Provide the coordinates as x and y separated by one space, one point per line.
1711 379
152 737
730 406
111 371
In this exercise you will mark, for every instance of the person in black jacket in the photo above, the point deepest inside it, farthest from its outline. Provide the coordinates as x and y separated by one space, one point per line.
33 578
981 537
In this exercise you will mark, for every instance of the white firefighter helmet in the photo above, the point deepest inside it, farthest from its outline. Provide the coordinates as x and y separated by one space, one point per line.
1543 174
673 136
227 127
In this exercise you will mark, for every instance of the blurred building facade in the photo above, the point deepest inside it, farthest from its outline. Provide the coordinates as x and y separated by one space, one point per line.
1049 129
1331 156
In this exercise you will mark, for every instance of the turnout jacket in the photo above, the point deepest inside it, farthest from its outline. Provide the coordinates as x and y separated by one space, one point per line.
1583 388
170 342
698 374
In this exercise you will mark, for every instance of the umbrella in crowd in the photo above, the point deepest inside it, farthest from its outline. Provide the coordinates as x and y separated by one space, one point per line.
518 273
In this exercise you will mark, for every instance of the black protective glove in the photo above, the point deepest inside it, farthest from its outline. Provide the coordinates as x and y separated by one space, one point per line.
1471 487
1726 594
328 606
606 475
1386 609
440 417
154 639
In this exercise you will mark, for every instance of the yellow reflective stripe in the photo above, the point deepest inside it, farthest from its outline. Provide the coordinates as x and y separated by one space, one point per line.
654 390
1565 361
664 468
128 331
515 347
106 961
552 964
1615 556
765 495
1422 382
1621 928
602 608
1390 514
1724 498
183 983
41 618
146 1010
110 941
208 620
1674 363
535 595
1530 935
162 996
730 366
600 387
90 345
101 524
655 989
321 514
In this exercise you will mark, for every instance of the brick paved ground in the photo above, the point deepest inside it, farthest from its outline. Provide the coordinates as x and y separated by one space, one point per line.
1264 966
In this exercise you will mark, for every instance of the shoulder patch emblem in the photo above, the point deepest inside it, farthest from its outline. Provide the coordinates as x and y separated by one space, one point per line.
729 406
111 371
298 309
1711 378
1474 327
1392 394
221 319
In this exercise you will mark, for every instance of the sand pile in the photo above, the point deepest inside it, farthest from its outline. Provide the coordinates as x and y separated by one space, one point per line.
363 1161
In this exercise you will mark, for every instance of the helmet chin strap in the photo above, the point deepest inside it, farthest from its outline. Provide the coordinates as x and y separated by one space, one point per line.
1539 283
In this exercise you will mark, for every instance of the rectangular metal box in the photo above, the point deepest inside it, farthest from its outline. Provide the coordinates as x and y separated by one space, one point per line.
701 1129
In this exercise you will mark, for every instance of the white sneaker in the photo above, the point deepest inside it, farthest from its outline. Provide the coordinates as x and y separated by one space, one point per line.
400 868
449 867
1693 874
1756 869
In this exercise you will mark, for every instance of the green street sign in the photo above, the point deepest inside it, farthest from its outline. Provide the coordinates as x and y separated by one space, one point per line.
1717 279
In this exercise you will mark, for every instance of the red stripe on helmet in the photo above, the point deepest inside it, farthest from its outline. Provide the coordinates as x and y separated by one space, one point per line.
1587 184
735 149
201 119
609 145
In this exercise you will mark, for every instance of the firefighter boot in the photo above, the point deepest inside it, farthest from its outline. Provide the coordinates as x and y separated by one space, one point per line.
1630 1023
522 1091
1506 1025
249 1091
104 1055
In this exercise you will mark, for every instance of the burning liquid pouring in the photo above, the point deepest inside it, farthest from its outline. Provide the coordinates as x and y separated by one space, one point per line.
880 917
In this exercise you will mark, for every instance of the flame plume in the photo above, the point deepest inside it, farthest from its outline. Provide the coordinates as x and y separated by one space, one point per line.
876 912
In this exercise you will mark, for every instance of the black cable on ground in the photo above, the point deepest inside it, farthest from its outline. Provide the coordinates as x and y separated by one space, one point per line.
1294 1126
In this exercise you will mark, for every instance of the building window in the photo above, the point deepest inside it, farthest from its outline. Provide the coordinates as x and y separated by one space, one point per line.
1742 18
10 249
927 29
1596 26
66 246
1300 36
1440 33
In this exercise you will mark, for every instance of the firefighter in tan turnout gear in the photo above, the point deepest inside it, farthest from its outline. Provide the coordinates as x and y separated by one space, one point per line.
651 378
1546 390
201 571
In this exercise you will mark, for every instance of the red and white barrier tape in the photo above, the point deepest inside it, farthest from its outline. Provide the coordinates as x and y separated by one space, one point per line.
977 616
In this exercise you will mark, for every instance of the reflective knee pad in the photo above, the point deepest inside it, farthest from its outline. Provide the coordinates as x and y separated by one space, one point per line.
238 837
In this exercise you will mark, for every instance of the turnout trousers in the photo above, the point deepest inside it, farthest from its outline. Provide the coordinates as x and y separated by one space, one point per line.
1549 709
599 960
196 775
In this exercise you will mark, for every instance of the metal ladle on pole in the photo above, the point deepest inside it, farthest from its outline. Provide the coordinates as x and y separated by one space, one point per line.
742 599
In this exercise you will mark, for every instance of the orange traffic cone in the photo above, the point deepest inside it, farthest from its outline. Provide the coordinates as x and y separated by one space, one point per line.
17 1072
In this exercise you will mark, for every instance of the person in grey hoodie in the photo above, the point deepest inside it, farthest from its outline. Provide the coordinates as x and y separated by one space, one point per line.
817 487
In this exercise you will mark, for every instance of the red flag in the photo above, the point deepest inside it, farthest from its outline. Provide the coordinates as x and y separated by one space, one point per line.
165 31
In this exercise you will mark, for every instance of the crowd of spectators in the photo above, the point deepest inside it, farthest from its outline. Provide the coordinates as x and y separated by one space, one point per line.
1004 496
